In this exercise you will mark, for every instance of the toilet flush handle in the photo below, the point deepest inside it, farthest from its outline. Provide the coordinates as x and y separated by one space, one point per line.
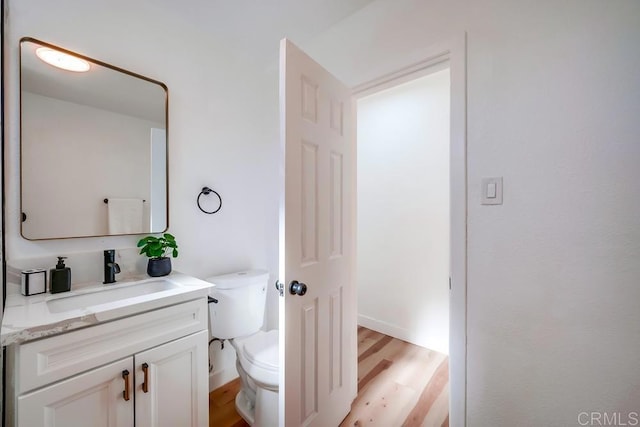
280 287
297 288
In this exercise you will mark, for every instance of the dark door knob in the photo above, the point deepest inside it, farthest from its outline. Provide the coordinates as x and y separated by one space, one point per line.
297 288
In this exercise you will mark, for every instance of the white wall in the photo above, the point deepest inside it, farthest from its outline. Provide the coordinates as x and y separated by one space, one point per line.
553 103
71 162
403 211
553 100
222 133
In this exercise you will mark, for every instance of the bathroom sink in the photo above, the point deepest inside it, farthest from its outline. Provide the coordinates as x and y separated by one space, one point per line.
75 302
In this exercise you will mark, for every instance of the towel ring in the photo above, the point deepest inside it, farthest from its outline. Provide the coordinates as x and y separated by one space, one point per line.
206 191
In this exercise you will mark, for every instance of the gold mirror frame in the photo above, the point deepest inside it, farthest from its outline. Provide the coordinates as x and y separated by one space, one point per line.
67 196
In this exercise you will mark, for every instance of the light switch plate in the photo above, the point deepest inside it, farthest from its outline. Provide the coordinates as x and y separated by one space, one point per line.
491 192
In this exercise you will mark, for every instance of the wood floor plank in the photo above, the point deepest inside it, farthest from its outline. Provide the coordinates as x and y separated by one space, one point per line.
419 367
225 393
396 384
364 344
222 408
364 334
384 403
376 347
384 364
384 340
366 338
392 352
428 396
439 412
410 367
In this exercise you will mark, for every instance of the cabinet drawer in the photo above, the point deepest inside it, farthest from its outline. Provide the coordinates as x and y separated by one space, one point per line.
61 356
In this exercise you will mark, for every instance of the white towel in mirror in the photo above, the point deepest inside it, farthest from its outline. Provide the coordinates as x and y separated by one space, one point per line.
125 216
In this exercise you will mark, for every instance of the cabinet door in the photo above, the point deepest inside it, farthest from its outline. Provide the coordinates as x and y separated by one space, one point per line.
95 398
172 384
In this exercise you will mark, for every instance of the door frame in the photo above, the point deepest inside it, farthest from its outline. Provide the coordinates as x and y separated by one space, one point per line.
452 51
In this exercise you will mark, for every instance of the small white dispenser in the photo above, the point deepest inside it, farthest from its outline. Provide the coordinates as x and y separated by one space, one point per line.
34 281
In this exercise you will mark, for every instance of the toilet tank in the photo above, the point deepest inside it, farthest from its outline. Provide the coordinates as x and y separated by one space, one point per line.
241 300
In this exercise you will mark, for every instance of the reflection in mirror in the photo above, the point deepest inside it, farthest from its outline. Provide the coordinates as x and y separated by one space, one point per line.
93 149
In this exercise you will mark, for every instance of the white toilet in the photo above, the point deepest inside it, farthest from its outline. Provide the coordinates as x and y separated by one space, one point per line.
236 314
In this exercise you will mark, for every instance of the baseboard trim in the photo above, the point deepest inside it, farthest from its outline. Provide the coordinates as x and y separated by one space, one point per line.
385 328
221 377
399 333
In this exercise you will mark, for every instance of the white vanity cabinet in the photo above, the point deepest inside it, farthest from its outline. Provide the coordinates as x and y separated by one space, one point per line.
175 378
149 369
94 398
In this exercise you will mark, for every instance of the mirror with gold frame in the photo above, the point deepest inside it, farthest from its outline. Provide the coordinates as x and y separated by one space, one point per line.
93 147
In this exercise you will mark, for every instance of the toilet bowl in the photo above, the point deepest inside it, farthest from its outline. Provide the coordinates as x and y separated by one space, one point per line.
236 313
257 365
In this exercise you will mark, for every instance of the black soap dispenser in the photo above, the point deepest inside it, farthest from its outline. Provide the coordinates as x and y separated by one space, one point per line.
60 277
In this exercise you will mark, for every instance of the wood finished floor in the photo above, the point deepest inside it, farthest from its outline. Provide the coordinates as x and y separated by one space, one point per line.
399 384
222 408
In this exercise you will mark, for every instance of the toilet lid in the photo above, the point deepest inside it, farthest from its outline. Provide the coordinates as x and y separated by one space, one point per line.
239 280
261 349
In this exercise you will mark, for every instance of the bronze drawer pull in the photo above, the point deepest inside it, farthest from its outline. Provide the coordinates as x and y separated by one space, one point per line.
125 376
145 384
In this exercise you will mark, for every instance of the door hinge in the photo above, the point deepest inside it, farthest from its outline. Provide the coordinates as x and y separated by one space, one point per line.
280 287
449 282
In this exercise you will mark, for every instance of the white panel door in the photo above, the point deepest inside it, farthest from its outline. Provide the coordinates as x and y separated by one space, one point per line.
171 384
96 398
319 356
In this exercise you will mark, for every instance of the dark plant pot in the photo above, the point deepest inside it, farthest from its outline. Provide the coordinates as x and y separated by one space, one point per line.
158 267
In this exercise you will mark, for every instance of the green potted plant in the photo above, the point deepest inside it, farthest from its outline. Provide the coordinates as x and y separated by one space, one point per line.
158 250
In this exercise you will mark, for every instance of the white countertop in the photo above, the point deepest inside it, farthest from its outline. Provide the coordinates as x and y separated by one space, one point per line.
29 318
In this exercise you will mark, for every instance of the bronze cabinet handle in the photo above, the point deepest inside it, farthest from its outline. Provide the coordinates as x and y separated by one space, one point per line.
145 384
125 376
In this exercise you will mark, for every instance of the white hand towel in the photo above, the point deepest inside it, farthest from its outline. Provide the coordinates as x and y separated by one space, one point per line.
125 216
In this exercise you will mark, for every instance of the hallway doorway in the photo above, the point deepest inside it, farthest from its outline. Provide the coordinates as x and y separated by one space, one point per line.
403 217
385 72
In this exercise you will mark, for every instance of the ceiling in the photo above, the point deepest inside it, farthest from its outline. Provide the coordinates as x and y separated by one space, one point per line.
248 28
253 28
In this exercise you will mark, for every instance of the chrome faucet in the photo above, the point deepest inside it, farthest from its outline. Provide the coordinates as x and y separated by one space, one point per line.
111 267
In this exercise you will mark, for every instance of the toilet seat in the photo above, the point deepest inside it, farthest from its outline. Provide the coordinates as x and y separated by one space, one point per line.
259 357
